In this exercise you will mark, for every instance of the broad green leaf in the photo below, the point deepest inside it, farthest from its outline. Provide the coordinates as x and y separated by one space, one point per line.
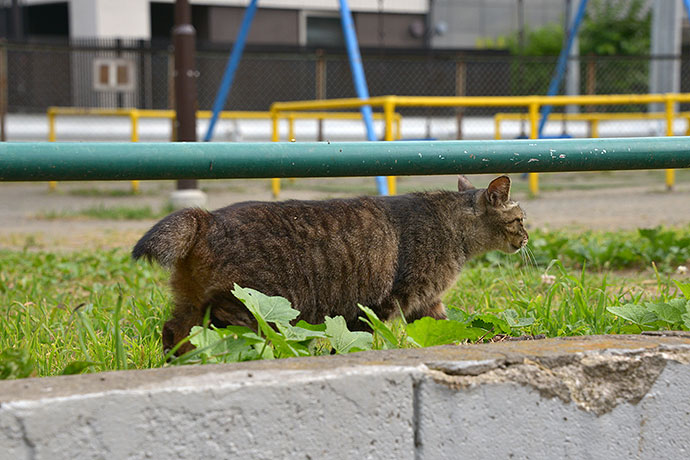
344 340
649 233
312 327
263 352
298 333
491 322
684 288
634 313
456 314
221 349
267 309
379 327
630 329
680 304
686 319
514 320
668 312
77 367
202 337
427 332
282 347
16 364
271 309
240 331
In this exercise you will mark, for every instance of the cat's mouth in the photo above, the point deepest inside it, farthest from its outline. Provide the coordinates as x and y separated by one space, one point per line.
517 247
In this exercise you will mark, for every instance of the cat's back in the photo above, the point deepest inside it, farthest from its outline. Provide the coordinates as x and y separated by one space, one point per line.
308 220
319 253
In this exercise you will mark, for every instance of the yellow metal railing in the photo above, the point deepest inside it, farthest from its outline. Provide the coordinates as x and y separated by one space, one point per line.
593 119
533 104
135 114
394 132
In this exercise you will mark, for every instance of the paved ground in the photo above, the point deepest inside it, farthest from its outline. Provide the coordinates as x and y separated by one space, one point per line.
620 200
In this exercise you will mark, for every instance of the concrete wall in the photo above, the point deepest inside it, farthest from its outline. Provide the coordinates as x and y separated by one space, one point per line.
109 19
394 30
591 397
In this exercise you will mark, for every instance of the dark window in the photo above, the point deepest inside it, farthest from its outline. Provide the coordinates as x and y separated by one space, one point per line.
324 31
47 20
162 19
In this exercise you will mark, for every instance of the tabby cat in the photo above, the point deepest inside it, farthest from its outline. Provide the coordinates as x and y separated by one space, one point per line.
392 254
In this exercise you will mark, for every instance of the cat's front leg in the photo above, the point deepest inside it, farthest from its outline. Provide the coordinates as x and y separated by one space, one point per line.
435 309
177 328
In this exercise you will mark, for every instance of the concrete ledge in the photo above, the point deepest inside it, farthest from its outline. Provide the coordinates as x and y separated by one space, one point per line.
591 397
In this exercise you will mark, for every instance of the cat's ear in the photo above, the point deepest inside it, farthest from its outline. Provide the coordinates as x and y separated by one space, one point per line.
498 191
464 183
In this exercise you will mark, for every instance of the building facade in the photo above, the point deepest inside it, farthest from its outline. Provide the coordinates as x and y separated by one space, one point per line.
448 24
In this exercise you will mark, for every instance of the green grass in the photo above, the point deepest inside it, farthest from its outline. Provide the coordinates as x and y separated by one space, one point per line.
108 212
100 192
66 308
68 312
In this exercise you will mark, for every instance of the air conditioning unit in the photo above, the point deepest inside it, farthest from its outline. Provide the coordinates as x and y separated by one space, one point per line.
113 74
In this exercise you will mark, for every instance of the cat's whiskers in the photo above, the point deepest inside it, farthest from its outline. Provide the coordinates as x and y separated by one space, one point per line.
528 257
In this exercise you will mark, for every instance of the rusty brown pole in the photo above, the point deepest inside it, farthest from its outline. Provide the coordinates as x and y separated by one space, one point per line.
3 89
184 42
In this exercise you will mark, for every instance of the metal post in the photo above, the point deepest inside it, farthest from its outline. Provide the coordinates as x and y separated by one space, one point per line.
3 89
184 41
460 90
572 75
275 137
359 79
118 52
52 185
134 137
561 64
594 129
664 67
231 68
591 83
171 95
670 109
533 178
388 113
320 78
497 127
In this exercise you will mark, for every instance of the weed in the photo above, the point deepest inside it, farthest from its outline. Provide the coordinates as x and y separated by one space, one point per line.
108 212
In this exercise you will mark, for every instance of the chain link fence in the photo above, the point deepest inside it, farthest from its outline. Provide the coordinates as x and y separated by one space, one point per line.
43 75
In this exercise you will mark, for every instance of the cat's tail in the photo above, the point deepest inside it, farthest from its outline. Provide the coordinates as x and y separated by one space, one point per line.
173 237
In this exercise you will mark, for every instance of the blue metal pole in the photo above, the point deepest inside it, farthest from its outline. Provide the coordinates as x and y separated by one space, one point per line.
562 63
230 68
359 79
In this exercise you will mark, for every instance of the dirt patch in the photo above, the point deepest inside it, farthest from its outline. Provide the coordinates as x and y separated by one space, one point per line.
33 216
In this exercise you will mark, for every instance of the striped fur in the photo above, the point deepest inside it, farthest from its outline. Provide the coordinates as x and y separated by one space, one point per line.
390 253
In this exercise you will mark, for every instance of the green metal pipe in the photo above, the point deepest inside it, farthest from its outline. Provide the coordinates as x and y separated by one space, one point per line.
39 161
